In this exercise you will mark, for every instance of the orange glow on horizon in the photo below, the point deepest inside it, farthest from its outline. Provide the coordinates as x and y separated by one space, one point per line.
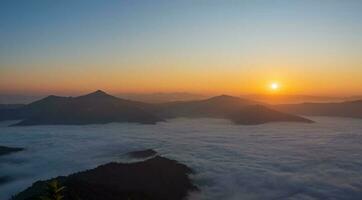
215 79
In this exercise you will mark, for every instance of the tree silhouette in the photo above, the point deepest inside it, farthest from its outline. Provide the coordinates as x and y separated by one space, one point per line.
54 191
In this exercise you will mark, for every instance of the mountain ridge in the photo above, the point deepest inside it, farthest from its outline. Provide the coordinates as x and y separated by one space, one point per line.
337 109
93 108
98 107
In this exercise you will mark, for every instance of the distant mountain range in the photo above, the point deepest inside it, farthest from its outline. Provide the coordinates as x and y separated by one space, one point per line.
99 108
219 106
343 109
158 97
294 99
162 97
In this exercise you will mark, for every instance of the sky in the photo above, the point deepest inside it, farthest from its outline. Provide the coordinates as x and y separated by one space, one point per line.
209 47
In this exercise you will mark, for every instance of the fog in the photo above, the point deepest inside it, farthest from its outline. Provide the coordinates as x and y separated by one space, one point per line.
272 161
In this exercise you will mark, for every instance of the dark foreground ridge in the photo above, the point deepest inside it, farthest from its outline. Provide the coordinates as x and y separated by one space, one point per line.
6 150
142 154
157 178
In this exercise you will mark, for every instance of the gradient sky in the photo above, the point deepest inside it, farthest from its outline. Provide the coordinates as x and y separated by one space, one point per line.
235 47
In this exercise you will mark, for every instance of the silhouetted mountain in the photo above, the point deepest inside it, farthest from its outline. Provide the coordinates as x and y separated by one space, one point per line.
258 114
343 109
99 107
293 99
218 107
240 111
99 94
158 178
94 108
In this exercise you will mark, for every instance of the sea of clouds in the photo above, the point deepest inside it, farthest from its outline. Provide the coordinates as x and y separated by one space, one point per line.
232 162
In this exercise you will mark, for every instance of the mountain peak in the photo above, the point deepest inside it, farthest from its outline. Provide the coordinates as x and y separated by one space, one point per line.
227 99
98 93
52 97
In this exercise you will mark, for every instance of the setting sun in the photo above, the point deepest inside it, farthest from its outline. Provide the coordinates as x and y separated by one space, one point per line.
274 86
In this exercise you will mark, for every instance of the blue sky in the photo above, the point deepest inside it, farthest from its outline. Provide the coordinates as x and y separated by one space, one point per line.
40 37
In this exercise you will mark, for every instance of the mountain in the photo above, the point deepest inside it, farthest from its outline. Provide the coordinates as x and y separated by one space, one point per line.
343 109
238 110
99 107
158 178
219 107
294 99
258 114
94 108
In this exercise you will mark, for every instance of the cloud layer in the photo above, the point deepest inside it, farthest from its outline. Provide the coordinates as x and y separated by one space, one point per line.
272 161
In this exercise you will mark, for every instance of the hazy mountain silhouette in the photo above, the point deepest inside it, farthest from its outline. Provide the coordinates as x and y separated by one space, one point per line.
94 108
99 107
219 106
294 99
343 109
240 111
258 114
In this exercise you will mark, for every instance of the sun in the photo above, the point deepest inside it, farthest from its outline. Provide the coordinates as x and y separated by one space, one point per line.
274 86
